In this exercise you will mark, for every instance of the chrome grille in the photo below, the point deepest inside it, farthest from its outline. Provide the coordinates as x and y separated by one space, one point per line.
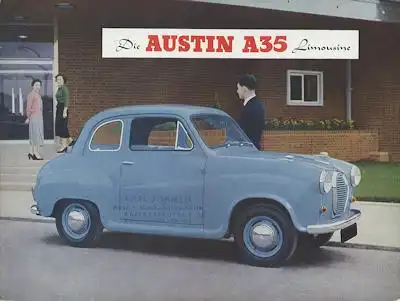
340 194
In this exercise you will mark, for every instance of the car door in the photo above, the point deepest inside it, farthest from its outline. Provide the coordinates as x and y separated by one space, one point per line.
162 174
101 164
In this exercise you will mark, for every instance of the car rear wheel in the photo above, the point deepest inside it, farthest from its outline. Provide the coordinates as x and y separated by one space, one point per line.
78 224
265 236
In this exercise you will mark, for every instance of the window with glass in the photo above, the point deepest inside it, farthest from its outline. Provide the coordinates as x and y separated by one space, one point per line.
20 63
159 133
219 131
304 88
107 137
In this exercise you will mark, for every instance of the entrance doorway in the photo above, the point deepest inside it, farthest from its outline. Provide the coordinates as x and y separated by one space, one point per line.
15 85
25 62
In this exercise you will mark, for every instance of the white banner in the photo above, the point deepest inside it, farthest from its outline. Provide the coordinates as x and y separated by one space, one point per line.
229 43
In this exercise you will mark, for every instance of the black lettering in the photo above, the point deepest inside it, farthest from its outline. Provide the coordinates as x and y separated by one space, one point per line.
302 46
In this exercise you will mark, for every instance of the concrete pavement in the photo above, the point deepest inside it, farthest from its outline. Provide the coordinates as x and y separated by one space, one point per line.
35 266
379 225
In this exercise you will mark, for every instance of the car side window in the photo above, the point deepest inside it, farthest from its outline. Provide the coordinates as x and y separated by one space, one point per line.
213 135
107 136
159 133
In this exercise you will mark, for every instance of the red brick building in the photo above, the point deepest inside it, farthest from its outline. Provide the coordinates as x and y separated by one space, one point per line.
365 90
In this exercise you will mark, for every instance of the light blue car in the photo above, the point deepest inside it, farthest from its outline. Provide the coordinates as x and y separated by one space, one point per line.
188 171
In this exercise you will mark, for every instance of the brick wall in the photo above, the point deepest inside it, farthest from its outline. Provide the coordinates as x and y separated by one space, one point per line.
345 145
97 84
167 138
376 82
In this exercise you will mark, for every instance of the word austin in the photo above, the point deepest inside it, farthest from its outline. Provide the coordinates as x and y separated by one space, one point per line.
214 43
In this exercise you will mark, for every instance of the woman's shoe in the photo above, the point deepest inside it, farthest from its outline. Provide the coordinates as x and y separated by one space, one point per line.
30 156
37 158
63 150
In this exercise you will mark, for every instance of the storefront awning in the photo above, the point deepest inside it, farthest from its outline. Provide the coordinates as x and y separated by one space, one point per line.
370 10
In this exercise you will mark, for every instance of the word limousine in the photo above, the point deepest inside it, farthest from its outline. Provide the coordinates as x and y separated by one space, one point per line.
229 43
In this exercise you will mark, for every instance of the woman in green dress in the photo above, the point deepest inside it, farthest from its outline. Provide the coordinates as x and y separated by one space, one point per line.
61 126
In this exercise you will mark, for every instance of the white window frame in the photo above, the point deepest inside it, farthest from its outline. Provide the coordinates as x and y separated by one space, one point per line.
320 86
177 147
120 138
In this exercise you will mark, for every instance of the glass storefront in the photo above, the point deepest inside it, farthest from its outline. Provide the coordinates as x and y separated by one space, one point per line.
20 63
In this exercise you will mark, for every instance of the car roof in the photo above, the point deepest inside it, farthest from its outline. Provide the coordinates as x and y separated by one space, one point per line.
185 111
179 109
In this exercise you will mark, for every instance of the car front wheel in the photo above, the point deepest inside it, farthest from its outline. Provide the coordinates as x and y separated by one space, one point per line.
78 224
265 236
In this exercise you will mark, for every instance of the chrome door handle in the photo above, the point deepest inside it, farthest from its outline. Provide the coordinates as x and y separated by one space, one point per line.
127 163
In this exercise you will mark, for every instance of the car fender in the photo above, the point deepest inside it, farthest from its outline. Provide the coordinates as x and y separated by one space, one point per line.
267 198
67 184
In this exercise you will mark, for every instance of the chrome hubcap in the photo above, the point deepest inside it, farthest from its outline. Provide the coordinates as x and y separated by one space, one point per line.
76 221
264 236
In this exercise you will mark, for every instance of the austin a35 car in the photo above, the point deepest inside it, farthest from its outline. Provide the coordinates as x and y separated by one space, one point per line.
178 170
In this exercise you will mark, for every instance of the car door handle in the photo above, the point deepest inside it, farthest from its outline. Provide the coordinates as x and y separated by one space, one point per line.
127 163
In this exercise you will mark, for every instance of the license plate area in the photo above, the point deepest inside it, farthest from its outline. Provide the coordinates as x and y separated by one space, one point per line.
348 233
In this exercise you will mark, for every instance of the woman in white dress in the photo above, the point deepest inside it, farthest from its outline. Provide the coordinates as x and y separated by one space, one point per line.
34 112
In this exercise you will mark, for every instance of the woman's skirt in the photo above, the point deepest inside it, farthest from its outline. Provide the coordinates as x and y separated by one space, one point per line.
36 135
61 122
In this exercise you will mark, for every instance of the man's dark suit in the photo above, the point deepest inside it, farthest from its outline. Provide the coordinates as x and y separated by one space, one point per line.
252 120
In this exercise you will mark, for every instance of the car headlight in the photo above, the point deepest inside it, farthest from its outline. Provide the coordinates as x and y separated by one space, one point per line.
355 176
325 181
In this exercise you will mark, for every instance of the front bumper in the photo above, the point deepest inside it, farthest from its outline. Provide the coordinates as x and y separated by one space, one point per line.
332 227
35 210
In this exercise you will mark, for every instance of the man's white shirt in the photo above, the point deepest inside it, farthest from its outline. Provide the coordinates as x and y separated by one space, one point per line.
247 99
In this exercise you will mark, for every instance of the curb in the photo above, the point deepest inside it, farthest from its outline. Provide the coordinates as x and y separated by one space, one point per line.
362 246
390 200
27 219
382 204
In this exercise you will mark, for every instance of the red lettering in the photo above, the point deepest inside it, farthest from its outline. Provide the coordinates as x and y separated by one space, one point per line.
154 43
184 43
266 42
225 44
281 42
167 46
196 43
250 44
198 40
210 43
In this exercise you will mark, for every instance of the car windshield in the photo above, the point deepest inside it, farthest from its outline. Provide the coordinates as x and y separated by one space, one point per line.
219 131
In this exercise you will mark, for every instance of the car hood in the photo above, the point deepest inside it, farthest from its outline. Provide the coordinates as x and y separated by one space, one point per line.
319 161
323 162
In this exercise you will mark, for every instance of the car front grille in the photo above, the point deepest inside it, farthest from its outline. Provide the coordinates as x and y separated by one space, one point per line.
340 194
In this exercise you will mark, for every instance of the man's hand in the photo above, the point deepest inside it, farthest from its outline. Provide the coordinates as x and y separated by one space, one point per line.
65 112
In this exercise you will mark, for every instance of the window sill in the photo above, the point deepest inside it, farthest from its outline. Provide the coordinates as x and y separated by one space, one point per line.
305 104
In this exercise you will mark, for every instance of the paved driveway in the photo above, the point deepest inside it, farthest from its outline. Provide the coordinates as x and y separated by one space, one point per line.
35 266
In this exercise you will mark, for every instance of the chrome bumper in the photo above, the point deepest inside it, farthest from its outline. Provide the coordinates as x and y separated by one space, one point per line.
332 227
35 210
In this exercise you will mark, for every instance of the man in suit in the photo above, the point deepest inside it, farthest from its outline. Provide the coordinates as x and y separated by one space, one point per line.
252 115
